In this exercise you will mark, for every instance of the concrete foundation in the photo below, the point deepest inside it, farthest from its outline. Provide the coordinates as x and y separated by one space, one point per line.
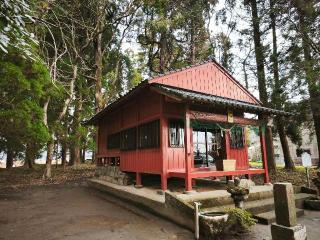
279 232
113 174
179 207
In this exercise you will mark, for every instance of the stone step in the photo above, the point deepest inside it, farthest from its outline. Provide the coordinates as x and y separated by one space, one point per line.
222 198
259 206
270 217
266 205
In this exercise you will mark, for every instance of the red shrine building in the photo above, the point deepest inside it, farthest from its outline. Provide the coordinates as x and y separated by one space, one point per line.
190 123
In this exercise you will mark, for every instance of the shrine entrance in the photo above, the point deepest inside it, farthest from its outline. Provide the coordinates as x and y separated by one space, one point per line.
208 144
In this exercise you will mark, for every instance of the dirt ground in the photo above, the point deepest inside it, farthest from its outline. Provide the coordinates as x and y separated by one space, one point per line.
64 208
75 212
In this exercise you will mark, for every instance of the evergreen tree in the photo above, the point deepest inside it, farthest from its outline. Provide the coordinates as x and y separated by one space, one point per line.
23 87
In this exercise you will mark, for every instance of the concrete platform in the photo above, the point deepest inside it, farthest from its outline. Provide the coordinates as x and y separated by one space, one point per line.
178 207
165 205
270 216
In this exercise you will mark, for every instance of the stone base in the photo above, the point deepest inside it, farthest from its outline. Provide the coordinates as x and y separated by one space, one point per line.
312 203
309 190
113 174
190 192
160 192
244 183
279 232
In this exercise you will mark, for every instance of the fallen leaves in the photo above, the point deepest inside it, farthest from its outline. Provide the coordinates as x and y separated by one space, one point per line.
21 176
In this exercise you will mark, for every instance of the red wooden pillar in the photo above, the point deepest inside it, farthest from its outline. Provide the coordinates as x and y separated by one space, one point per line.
164 145
96 138
227 148
138 180
187 147
227 143
164 182
262 132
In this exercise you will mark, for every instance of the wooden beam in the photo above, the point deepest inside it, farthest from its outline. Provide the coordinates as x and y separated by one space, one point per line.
164 146
207 173
187 147
202 174
172 96
262 131
204 116
227 143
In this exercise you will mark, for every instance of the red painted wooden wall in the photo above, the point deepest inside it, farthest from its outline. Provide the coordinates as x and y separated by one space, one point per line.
241 157
144 108
208 78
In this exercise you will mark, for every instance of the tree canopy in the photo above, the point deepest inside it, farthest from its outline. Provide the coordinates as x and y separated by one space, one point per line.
62 61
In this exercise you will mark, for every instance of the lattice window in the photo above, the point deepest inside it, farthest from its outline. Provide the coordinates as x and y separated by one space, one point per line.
237 138
149 135
129 139
176 133
113 141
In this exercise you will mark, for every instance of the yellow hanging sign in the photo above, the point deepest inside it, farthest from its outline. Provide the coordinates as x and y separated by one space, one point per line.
230 117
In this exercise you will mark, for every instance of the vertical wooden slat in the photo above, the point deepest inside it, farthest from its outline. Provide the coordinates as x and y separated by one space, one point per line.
188 179
262 130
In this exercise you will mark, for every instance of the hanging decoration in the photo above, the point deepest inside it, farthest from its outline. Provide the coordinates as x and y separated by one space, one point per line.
230 117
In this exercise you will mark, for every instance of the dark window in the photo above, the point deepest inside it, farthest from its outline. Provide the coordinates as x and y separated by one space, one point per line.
176 133
237 137
113 141
149 136
128 139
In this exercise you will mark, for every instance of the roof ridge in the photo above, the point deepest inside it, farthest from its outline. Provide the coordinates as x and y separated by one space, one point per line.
230 101
203 93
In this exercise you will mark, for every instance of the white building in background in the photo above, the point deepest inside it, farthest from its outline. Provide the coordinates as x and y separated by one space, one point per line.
309 142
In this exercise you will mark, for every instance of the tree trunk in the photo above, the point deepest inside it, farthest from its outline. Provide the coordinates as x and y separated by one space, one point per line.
98 74
83 154
50 149
10 156
259 55
163 52
289 164
30 155
93 157
99 103
304 8
245 74
63 154
270 150
276 94
192 43
75 149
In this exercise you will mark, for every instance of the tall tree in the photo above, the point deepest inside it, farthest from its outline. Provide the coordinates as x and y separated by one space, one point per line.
14 33
307 15
262 86
174 34
277 98
22 86
224 46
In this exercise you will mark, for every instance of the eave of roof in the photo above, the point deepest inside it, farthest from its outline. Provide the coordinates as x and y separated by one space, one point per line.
202 98
95 118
